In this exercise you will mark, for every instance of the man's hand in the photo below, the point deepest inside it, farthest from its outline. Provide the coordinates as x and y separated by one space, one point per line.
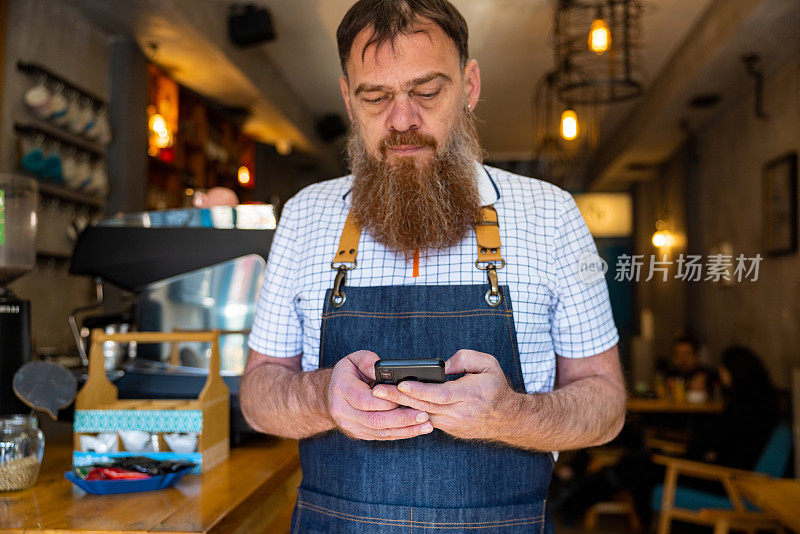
471 407
359 414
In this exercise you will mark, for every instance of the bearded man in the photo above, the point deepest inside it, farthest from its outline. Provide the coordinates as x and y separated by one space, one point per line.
420 253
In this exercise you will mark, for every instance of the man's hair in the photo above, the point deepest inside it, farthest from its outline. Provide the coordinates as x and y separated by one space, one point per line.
390 18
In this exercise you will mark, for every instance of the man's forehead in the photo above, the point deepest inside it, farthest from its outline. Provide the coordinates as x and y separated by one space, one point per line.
409 55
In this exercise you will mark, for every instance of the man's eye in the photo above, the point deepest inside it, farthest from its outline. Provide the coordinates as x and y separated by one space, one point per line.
428 96
374 100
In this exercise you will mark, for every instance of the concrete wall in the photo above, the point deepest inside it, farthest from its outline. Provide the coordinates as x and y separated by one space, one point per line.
53 34
731 152
718 177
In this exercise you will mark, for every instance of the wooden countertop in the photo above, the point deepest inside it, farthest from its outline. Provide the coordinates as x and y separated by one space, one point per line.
254 491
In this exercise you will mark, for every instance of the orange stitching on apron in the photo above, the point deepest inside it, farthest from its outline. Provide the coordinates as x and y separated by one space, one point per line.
518 363
355 314
406 522
321 339
392 314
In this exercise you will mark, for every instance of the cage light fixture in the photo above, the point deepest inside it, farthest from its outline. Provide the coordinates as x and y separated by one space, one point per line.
563 130
597 50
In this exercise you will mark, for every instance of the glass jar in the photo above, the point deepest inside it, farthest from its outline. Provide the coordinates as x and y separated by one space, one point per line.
21 449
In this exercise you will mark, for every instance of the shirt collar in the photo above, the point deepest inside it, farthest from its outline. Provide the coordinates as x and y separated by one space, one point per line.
487 189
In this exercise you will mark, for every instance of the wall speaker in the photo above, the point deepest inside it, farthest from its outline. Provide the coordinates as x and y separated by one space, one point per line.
249 25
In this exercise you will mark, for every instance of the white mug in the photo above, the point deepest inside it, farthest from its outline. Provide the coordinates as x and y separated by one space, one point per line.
38 99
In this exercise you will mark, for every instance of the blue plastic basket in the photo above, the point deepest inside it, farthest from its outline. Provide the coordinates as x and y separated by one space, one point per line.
110 487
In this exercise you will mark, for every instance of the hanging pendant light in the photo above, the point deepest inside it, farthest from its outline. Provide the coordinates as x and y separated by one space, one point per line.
564 131
597 48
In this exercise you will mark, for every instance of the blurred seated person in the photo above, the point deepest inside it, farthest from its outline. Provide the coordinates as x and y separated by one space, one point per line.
733 438
685 365
216 196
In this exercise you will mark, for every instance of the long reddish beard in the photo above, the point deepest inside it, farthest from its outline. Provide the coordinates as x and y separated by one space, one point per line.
408 207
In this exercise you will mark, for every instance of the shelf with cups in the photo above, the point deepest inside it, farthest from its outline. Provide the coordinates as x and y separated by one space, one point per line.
66 106
67 168
35 69
62 193
64 137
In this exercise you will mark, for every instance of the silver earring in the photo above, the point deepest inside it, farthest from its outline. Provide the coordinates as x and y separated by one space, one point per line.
469 107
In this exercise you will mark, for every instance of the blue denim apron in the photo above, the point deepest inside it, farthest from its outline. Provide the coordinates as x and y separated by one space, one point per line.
432 482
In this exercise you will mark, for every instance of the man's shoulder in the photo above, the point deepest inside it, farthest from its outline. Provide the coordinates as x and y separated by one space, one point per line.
524 190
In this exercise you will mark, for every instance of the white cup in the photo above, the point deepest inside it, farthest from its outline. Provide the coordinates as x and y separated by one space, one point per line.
38 99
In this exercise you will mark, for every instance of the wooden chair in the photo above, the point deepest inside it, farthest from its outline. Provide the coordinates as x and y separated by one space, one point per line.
621 503
740 516
705 508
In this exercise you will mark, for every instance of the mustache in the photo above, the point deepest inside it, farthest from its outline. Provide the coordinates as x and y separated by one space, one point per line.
407 137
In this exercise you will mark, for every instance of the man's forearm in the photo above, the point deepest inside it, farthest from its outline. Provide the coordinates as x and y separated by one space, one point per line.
284 402
585 413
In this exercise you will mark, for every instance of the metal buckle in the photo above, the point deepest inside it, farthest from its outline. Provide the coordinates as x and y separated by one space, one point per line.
492 264
344 266
338 297
493 297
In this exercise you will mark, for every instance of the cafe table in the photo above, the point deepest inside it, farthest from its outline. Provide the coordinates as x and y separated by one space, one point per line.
779 498
253 491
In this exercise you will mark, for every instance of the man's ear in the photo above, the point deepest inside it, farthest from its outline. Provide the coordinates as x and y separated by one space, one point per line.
344 86
472 83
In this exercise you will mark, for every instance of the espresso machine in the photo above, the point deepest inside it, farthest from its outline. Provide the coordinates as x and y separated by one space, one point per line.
18 205
181 270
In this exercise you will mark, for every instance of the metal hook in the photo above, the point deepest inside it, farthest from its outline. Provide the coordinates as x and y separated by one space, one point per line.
493 296
339 297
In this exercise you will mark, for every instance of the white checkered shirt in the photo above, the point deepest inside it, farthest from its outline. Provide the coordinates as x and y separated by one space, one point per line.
543 235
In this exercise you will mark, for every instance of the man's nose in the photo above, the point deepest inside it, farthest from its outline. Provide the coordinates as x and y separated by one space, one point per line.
403 115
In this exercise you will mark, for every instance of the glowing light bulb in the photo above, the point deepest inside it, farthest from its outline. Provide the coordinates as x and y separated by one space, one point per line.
663 238
569 125
160 133
244 175
159 125
599 36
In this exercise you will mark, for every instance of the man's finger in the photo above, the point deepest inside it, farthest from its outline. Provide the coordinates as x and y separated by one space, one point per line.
402 433
434 393
398 418
364 361
391 393
469 361
359 396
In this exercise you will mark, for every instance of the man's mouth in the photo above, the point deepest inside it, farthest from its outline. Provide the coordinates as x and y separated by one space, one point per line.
406 150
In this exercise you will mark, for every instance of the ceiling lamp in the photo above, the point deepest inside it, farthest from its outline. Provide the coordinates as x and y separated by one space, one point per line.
597 46
563 131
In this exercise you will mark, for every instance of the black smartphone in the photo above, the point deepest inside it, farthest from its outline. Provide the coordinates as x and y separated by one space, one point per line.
395 371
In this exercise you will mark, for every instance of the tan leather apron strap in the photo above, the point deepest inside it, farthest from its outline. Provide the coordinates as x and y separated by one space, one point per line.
348 244
487 230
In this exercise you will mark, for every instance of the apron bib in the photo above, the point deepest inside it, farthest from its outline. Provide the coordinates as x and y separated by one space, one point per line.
433 482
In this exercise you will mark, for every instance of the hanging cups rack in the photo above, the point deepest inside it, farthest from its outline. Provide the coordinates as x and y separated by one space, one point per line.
66 106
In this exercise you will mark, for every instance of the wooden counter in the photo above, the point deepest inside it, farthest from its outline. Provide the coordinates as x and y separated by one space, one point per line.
254 491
